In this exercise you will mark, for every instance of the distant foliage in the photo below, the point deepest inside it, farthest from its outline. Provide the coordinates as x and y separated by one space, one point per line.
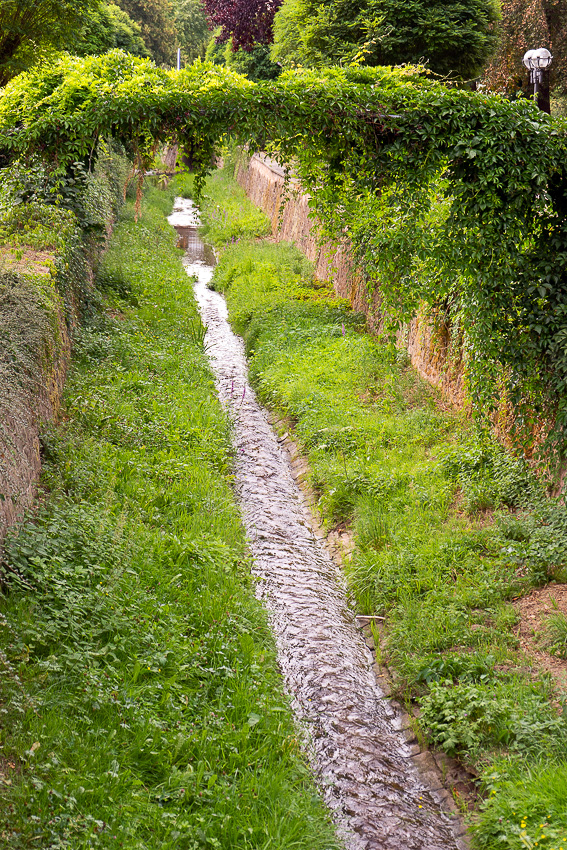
109 27
255 64
156 19
192 29
127 33
245 22
451 36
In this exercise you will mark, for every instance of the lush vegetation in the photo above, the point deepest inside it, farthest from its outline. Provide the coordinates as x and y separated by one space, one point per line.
140 697
32 33
448 529
157 22
254 64
192 29
51 232
452 37
108 26
228 215
467 190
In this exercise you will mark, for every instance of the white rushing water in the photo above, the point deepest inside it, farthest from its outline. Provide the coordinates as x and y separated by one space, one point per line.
360 756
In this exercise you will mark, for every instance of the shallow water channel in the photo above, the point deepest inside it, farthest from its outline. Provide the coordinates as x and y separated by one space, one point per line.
359 753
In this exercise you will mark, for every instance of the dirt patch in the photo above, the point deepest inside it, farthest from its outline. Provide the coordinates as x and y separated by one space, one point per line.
533 611
27 261
8 769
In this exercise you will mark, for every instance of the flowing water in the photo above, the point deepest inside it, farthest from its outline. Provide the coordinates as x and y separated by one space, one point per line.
363 763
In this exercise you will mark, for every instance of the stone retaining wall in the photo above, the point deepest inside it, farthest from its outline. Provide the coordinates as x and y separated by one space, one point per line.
24 408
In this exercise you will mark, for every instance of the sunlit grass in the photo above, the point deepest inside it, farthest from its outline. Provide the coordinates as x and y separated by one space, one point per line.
555 634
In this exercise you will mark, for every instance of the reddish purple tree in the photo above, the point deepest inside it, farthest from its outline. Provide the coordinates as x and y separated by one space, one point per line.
247 22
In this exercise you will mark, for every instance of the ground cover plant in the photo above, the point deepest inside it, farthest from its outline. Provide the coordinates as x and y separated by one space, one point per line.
449 529
140 700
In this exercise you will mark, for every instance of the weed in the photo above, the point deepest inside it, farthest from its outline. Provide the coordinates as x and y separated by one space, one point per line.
489 477
478 718
555 634
197 332
525 806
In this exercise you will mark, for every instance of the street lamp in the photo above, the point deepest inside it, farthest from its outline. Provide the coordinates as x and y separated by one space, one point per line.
538 62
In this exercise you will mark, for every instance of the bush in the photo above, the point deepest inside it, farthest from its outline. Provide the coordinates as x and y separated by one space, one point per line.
477 718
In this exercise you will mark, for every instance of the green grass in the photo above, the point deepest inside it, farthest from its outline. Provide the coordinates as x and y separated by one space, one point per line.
525 807
140 697
448 527
228 215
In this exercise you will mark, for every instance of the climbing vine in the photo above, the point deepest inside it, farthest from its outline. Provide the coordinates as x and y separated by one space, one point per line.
445 195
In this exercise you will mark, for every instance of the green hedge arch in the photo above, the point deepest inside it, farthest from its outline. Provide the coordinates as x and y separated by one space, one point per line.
449 198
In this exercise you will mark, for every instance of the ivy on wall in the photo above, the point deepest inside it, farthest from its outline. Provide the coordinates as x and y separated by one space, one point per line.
447 196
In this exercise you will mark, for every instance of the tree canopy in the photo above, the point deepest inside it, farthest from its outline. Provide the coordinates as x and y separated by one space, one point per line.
451 36
254 64
192 28
156 19
30 29
108 27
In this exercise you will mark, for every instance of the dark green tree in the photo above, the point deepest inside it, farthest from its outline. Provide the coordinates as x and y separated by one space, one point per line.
32 29
127 33
156 19
453 36
192 29
108 27
254 64
96 36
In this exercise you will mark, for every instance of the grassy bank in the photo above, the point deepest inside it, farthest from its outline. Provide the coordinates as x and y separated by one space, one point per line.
140 699
449 529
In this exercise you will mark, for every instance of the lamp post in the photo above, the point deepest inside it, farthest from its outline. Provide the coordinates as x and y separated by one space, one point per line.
538 62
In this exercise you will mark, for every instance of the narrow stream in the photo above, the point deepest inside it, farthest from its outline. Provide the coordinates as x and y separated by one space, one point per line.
359 754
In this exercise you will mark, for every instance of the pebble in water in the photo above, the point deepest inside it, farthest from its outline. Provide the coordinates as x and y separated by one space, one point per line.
359 754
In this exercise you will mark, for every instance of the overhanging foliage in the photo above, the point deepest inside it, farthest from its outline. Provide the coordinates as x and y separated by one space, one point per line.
447 196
